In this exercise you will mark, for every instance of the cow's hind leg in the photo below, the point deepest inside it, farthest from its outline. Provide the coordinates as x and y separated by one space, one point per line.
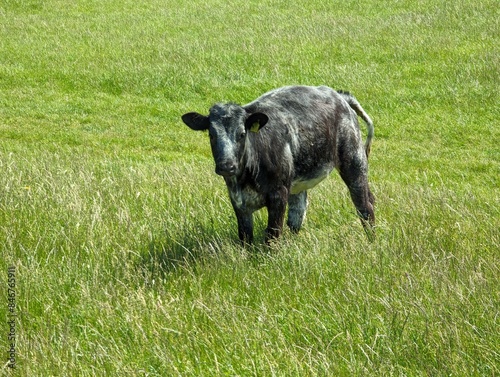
297 205
354 172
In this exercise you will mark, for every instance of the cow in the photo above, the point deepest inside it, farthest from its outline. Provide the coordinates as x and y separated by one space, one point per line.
275 148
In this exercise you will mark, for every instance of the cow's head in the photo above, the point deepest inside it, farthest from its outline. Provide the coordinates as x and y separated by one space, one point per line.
228 126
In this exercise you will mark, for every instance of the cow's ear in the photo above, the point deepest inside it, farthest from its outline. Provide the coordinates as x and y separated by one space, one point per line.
196 121
256 121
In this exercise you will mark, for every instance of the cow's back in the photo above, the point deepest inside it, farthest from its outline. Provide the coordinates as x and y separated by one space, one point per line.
305 118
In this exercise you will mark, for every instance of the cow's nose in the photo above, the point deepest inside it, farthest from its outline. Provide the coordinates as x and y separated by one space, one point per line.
226 169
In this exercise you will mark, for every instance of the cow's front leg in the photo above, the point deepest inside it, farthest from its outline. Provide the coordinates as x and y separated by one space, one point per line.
245 226
276 206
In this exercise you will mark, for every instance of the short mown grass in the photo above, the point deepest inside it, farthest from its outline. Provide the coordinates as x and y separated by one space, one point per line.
124 241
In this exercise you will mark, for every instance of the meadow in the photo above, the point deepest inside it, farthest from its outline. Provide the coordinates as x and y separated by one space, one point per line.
123 240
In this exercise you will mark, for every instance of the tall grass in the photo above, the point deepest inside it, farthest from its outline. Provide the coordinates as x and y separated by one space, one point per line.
124 241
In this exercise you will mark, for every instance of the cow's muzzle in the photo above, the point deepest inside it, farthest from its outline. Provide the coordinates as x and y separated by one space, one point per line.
226 169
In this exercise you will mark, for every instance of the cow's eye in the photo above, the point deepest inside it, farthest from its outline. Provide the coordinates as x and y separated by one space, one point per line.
242 135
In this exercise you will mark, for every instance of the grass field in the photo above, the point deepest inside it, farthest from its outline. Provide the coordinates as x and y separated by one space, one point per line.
123 239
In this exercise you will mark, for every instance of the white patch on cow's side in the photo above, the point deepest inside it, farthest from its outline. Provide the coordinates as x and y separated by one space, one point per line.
300 185
288 159
295 139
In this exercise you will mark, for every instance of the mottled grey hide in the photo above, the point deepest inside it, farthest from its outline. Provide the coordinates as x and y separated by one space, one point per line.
274 149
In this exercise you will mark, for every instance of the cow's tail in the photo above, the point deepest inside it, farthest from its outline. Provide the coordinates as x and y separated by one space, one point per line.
355 105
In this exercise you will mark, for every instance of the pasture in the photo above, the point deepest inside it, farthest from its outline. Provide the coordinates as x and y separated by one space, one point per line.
123 239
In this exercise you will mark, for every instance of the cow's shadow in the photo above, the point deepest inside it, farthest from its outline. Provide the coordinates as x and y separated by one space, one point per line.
164 254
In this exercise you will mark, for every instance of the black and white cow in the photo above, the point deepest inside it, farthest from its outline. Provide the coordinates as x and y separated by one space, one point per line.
274 149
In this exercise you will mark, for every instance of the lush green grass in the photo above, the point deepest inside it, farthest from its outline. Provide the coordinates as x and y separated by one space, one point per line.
123 238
